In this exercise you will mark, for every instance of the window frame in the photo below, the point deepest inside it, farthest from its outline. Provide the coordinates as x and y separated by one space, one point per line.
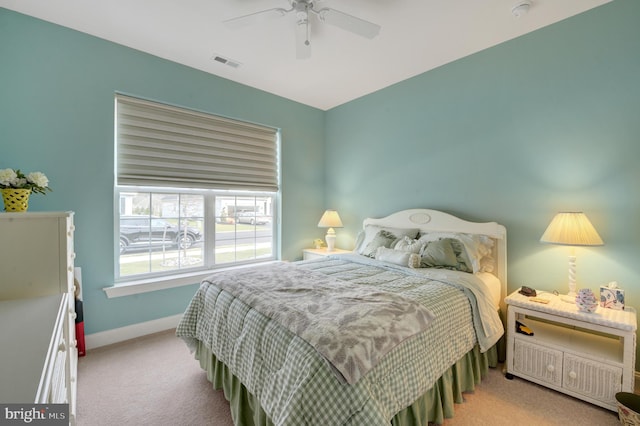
140 283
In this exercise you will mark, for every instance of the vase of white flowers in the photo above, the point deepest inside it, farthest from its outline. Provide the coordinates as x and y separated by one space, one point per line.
17 187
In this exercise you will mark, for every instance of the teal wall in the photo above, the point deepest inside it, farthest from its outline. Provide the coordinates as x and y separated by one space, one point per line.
546 122
56 116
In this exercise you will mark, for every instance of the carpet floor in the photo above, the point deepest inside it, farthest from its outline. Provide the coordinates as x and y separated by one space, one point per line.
154 380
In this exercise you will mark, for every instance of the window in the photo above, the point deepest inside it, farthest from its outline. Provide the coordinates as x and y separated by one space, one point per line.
162 231
194 191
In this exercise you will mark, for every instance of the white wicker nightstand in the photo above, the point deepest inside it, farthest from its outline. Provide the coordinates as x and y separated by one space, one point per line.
590 356
321 252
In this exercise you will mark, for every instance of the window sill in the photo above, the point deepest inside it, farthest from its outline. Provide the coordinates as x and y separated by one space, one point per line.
129 288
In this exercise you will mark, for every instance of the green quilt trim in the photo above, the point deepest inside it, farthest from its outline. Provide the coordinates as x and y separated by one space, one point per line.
434 406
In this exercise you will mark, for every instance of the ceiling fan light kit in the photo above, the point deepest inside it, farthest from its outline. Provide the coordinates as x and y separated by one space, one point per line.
302 8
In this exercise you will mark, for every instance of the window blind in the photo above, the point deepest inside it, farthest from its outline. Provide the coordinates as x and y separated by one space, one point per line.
167 146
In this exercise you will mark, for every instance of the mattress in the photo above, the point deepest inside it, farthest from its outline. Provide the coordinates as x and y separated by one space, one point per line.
494 287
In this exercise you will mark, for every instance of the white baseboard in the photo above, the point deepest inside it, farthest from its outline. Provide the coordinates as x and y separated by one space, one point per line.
116 335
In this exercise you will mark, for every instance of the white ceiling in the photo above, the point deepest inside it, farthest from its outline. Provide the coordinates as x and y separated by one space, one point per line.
416 36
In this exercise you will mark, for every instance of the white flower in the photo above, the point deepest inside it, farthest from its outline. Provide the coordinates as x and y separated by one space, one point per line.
14 179
7 177
38 178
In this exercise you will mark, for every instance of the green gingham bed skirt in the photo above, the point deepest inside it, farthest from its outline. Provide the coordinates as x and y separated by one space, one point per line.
433 407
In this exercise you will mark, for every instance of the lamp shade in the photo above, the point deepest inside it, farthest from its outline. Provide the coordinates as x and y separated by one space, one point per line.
571 229
330 219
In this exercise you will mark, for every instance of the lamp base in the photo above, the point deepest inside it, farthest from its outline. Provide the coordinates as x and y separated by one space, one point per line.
330 238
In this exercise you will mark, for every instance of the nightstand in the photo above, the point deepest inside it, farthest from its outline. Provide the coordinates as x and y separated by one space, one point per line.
590 356
321 252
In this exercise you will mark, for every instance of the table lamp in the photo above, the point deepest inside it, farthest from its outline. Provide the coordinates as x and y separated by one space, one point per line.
330 219
571 229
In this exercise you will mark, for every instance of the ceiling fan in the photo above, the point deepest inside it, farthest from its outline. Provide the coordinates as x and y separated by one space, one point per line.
303 9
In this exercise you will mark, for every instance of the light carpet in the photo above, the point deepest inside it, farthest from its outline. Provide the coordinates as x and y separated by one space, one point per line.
154 380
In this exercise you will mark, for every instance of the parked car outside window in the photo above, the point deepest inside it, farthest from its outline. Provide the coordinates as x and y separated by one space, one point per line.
146 231
252 218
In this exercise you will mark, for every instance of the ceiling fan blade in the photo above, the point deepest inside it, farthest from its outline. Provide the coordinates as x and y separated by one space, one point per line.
256 17
349 22
303 44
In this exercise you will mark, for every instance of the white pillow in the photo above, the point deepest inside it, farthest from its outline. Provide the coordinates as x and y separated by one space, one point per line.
409 244
371 231
476 247
487 263
402 258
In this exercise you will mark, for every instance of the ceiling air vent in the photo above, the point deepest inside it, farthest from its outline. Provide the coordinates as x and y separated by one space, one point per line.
226 61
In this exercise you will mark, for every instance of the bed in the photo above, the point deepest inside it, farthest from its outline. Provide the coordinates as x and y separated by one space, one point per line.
391 333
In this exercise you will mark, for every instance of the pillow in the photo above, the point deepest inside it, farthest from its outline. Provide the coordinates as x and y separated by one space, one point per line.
409 244
469 248
414 260
381 239
402 258
438 254
478 248
371 231
464 262
487 263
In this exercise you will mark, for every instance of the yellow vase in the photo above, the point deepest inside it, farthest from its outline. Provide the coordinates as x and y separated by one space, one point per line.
16 200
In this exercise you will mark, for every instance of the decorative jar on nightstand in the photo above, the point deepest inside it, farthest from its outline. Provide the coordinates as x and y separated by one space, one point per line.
313 253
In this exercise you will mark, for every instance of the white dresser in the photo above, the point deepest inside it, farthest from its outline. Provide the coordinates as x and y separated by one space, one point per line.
38 354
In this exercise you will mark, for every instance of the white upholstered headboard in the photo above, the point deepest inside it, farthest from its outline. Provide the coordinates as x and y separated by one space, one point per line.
433 220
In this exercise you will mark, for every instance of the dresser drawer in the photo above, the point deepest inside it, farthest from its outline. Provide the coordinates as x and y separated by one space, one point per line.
538 361
592 378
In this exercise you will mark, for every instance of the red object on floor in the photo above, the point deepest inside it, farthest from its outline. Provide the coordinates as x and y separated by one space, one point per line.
80 338
80 328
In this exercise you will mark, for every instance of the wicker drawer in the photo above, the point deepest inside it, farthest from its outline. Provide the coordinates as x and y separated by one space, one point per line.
591 378
537 361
